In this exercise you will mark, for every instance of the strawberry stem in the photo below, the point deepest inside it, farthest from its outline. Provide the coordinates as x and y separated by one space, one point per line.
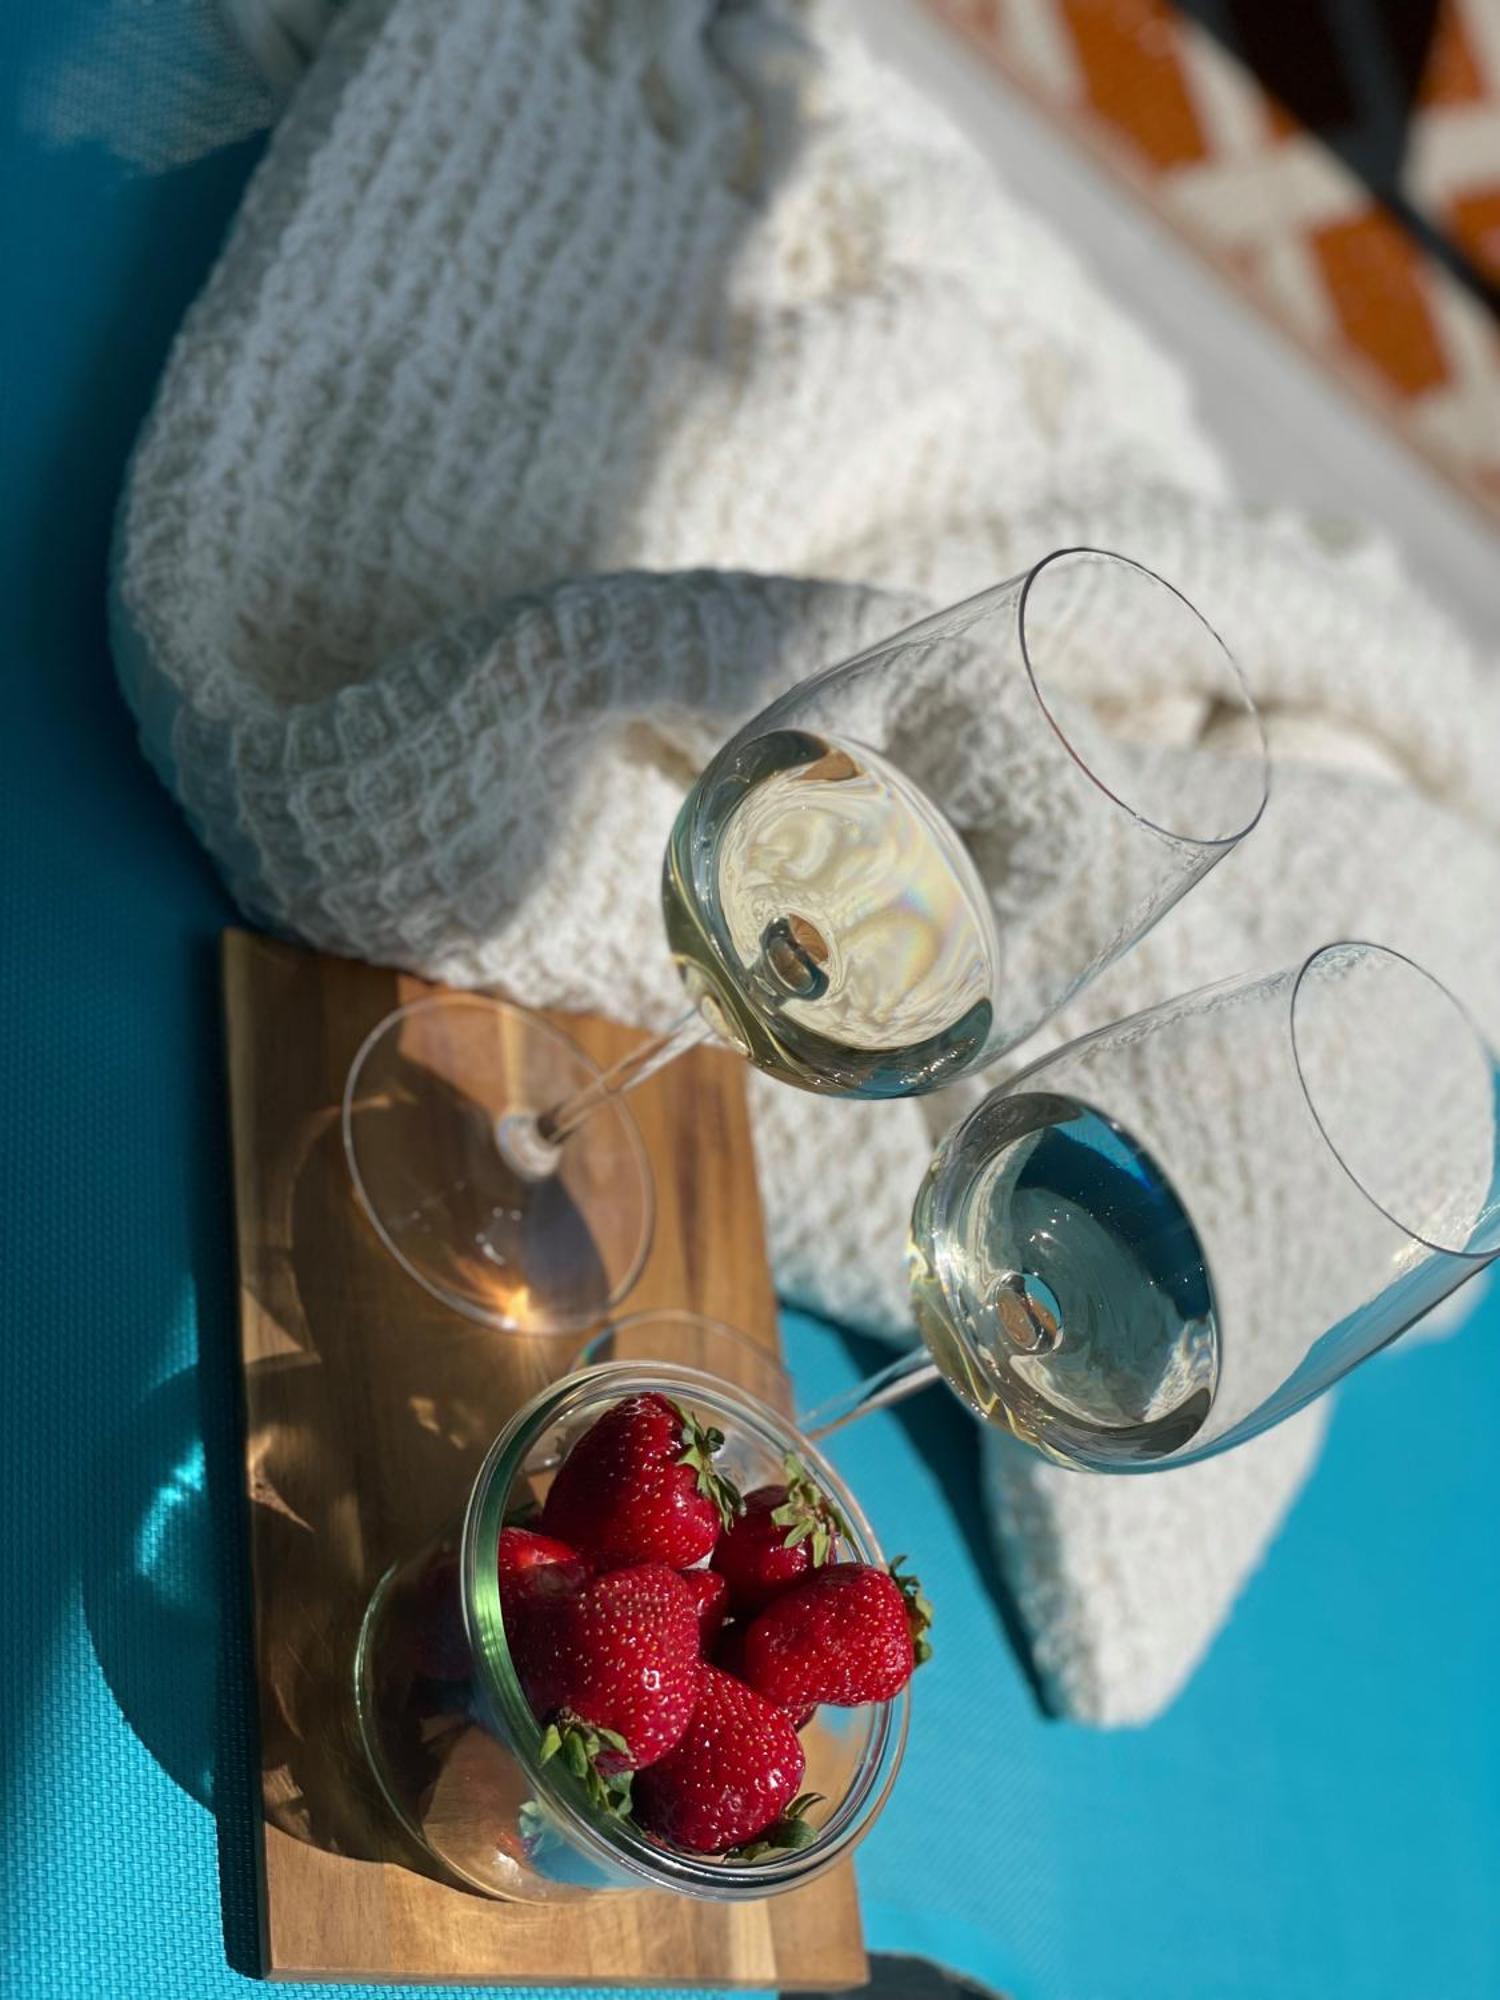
918 1610
807 1513
785 1834
698 1448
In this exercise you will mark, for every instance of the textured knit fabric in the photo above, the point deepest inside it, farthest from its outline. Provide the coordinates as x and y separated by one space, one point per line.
579 374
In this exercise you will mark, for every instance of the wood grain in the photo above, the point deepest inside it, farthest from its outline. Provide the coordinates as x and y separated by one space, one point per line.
368 1407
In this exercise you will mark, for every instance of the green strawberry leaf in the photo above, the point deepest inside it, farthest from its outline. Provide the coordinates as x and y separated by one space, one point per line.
786 1834
612 1794
918 1610
698 1448
580 1746
807 1513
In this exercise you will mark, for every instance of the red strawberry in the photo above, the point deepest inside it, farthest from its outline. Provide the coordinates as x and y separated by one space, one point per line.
640 1486
847 1635
784 1532
729 1655
733 1775
442 1645
613 1669
711 1596
532 1564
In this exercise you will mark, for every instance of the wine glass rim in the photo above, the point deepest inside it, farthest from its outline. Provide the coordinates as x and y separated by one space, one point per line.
1223 841
1472 1256
766 1359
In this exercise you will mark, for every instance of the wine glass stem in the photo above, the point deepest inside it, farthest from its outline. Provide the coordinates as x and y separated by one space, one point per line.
684 1034
907 1374
531 1143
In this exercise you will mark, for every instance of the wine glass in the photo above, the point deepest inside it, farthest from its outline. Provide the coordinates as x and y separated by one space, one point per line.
889 876
1174 1232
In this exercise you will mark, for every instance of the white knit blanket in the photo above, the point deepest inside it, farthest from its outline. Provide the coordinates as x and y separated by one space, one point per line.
577 374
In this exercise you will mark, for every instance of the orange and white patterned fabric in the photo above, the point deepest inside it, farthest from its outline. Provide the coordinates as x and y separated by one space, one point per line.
1408 316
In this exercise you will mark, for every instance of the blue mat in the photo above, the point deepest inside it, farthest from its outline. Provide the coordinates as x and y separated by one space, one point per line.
1320 1814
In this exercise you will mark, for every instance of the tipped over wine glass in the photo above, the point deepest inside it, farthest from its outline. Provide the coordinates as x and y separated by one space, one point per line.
889 877
1175 1232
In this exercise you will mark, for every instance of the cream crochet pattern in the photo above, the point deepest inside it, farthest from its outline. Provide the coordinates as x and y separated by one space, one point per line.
578 374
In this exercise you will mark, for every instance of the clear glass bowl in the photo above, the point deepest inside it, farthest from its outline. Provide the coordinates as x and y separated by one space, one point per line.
452 1740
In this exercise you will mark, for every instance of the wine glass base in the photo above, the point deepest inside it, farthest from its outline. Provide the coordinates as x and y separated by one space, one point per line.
423 1108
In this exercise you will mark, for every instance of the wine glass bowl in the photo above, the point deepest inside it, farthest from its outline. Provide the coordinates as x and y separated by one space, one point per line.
1058 1284
1176 1231
900 868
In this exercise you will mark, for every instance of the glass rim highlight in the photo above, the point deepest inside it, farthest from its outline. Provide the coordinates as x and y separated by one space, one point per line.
704 1327
1249 705
1462 1017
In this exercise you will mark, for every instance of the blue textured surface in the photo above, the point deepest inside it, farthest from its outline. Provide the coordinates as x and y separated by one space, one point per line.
1320 1815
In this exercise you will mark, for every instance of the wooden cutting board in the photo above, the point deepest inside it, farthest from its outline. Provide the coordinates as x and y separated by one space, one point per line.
368 1407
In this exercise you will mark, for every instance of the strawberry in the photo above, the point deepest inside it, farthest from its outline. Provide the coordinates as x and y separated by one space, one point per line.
729 1654
711 1597
784 1532
442 1645
612 1668
640 1486
733 1776
848 1634
531 1564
